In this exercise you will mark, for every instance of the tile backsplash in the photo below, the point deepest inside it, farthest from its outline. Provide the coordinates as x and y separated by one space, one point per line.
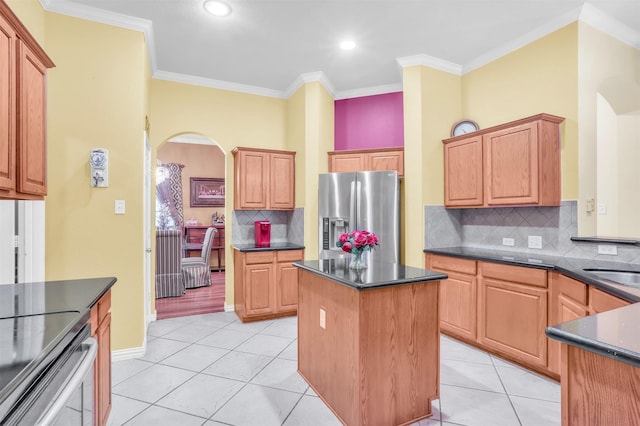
485 228
286 226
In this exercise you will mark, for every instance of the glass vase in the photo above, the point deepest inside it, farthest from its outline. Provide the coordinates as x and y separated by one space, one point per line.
358 261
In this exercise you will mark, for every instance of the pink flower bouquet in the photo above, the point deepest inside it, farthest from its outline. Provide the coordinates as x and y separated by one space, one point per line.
357 242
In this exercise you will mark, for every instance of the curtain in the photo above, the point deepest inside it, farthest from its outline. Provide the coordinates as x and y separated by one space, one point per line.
169 214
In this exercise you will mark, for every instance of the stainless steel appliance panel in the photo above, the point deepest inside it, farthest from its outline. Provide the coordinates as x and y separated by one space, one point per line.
360 200
378 211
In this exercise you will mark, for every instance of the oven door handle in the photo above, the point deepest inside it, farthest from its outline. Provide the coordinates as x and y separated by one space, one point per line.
90 349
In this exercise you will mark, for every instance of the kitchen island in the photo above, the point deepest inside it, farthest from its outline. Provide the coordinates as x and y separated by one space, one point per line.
368 340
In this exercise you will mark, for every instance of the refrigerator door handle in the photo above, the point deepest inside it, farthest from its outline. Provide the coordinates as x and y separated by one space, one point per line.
353 207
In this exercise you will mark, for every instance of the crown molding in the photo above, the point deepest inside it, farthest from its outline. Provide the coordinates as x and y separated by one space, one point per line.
515 44
603 22
368 91
430 61
309 77
216 84
89 13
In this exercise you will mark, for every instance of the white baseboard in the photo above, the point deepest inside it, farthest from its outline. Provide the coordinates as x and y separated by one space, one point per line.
229 308
125 354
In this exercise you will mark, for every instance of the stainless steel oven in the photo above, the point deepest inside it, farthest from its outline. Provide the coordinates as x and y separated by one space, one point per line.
54 387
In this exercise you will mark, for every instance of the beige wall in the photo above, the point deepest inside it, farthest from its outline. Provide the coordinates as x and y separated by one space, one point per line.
199 161
96 100
227 118
610 68
539 77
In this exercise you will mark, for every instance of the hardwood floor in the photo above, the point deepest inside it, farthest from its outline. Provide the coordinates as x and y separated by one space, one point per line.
195 301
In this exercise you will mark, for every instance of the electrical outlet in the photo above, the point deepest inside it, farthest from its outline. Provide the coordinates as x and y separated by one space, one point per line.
535 241
608 249
602 208
508 242
323 319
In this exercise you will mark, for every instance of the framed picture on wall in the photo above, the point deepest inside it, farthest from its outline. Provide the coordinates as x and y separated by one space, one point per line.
207 192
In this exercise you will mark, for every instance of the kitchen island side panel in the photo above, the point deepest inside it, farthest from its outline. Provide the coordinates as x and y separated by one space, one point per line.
399 353
377 359
328 357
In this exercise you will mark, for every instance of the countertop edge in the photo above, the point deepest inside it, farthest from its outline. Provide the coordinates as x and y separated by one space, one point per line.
601 348
243 249
436 277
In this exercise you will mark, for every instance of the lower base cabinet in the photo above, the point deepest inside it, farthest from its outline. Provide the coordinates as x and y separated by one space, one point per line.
505 309
512 312
100 321
266 284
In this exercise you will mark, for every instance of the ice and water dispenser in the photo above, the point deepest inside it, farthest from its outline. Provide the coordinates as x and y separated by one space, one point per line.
263 233
332 227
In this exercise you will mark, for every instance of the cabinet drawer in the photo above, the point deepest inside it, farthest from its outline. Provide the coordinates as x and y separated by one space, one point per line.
289 255
515 274
464 266
600 301
573 289
252 258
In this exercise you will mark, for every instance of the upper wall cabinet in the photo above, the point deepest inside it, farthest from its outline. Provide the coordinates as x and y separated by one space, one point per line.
513 164
264 179
367 160
23 66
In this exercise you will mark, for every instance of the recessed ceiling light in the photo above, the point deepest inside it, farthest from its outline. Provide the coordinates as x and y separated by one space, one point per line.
217 7
347 45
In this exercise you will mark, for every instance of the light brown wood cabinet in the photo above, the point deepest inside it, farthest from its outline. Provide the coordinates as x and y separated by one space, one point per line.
516 163
458 298
23 65
266 284
264 179
512 311
600 301
100 321
360 160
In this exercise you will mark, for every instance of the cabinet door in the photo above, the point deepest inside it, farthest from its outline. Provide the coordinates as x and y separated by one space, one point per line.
349 162
7 107
252 180
260 287
512 319
458 296
386 160
463 173
287 287
103 402
599 301
31 135
282 187
511 165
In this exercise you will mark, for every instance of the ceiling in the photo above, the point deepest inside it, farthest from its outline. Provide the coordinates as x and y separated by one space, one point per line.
270 47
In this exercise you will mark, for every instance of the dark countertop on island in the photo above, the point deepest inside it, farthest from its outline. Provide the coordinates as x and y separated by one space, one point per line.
376 275
614 334
272 247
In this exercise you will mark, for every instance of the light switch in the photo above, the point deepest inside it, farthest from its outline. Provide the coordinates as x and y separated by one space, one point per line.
119 207
602 208
535 241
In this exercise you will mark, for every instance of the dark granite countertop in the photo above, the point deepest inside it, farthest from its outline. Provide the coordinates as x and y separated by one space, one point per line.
376 275
614 334
572 267
54 296
272 247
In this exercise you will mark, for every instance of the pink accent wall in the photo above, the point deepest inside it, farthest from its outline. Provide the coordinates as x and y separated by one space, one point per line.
369 122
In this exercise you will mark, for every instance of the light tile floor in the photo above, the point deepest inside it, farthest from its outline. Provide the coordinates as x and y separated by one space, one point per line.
213 370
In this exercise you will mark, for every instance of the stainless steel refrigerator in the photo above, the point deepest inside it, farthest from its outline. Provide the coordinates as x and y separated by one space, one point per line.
359 201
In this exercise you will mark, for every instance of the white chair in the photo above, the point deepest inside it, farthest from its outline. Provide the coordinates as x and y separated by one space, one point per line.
196 271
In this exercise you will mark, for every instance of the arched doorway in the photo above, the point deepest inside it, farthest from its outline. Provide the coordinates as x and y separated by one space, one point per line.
200 165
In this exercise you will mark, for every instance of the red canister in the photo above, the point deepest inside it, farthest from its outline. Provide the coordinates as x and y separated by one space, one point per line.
263 233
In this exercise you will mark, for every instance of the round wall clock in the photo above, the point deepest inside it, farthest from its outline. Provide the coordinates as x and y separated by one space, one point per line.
464 126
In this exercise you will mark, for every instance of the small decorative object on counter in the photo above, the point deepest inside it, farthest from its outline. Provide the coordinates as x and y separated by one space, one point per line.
193 222
357 243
